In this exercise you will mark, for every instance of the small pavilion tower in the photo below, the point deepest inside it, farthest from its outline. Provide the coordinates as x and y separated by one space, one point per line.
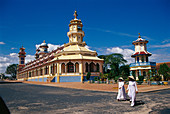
75 33
43 49
37 53
141 54
142 64
22 55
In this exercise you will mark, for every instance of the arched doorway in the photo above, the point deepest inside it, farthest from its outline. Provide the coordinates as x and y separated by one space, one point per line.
92 67
70 67
62 68
97 67
77 67
87 67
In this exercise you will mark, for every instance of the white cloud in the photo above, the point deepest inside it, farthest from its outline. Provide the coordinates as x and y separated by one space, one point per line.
13 48
88 47
12 58
160 46
2 43
50 46
166 41
125 52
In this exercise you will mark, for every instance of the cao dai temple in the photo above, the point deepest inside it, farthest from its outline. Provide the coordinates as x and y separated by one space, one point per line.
68 63
141 55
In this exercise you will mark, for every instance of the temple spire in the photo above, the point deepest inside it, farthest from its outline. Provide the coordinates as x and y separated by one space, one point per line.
75 14
139 35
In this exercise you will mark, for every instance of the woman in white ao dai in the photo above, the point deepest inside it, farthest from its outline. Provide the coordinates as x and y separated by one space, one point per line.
132 90
121 90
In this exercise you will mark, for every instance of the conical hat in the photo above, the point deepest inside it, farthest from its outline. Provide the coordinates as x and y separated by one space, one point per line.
131 77
120 78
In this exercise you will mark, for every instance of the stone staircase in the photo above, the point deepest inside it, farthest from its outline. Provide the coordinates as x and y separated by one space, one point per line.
49 79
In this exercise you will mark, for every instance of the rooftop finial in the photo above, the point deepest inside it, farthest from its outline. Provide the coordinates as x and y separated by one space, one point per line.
44 41
139 35
75 14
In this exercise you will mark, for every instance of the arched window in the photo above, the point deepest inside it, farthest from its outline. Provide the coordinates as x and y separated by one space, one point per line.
144 73
137 59
146 59
29 74
56 68
70 67
46 70
77 67
62 68
36 72
51 70
142 59
92 67
97 67
87 67
41 72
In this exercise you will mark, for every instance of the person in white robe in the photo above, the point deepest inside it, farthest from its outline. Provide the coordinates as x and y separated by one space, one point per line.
121 90
132 90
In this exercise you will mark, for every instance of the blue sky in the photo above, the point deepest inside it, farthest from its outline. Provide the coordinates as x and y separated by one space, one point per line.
110 26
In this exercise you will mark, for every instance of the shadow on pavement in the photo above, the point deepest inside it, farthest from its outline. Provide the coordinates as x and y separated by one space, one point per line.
6 82
139 103
3 108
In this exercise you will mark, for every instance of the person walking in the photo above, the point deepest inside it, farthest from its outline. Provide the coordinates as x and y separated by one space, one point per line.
121 90
132 90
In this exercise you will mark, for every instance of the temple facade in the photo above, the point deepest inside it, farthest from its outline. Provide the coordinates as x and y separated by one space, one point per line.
68 63
142 66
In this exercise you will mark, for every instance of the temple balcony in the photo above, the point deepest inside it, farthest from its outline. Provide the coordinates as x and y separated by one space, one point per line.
143 64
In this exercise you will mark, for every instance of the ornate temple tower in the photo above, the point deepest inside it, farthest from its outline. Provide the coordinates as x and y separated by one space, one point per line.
75 33
43 49
142 64
21 58
37 53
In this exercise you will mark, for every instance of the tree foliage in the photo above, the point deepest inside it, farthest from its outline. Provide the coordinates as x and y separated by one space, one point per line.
2 76
164 70
114 61
88 76
12 70
125 71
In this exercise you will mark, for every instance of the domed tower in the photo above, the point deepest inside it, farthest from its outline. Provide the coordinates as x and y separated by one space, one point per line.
22 55
37 53
43 49
142 65
141 54
75 33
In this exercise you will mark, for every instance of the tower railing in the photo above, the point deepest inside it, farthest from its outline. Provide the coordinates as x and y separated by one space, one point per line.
143 64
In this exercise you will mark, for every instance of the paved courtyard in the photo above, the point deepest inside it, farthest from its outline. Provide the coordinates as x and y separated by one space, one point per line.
23 98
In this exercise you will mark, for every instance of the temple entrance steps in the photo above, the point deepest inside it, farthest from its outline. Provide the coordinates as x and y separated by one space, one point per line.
49 79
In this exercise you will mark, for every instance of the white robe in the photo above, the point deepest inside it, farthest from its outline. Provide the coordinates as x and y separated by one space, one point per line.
132 88
121 92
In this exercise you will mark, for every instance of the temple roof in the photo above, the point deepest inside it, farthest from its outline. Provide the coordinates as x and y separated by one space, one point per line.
142 53
139 40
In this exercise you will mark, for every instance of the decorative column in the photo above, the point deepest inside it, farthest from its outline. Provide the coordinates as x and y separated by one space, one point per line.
82 77
101 68
49 70
136 75
58 72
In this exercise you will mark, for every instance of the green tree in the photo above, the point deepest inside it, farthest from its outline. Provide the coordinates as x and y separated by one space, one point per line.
88 75
115 60
12 70
2 76
164 70
125 71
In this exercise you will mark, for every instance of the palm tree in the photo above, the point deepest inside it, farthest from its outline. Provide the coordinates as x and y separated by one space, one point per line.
115 61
